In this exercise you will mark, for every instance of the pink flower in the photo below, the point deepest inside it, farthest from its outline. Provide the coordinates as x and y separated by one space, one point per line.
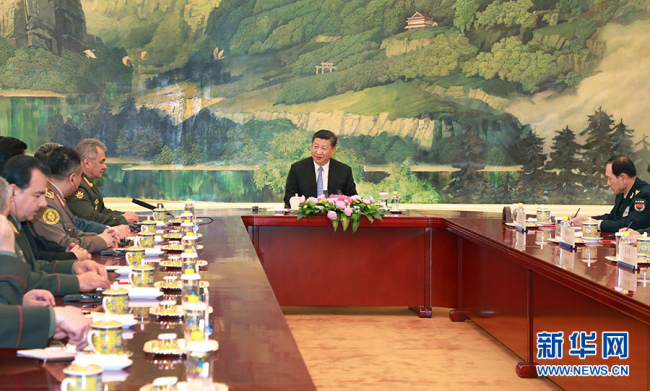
371 199
367 202
340 204
313 199
321 197
302 199
341 197
348 211
356 198
332 215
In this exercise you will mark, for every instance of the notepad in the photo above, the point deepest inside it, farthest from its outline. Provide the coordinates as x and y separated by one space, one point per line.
50 354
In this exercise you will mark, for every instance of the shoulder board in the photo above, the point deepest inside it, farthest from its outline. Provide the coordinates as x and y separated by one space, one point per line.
13 227
49 194
89 183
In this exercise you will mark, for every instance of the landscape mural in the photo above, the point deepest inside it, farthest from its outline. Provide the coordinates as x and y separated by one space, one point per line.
455 101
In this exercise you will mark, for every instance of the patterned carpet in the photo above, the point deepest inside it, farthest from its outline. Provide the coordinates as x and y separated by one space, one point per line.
392 349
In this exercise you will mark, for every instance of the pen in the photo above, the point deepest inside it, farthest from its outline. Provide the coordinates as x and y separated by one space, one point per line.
575 215
628 226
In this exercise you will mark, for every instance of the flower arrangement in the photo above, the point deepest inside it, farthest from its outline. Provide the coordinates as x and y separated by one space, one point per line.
341 209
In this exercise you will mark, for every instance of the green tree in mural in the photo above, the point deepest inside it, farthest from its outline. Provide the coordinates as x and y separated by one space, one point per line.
469 185
169 48
507 189
101 125
509 13
643 158
285 149
533 177
622 141
597 150
164 157
401 179
66 133
511 60
565 184
465 13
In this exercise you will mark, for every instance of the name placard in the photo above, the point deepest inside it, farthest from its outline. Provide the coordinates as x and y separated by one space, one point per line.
628 255
568 237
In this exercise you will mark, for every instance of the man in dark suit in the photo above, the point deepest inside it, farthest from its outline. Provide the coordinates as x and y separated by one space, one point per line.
320 174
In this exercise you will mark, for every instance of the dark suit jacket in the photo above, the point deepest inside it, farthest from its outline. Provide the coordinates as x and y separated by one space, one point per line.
634 209
302 180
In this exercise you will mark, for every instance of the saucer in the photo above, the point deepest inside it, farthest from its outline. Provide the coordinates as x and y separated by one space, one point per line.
127 320
152 347
170 264
143 293
178 312
113 362
123 270
161 284
152 252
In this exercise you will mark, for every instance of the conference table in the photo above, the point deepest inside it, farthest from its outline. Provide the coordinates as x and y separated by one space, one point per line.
512 284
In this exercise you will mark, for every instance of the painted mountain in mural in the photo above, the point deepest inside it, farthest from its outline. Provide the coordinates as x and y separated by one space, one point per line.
417 84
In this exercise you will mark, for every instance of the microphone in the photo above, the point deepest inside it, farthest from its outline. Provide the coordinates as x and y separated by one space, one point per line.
147 205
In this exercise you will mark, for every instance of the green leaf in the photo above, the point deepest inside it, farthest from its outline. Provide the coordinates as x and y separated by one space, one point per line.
355 225
335 224
345 220
370 218
300 217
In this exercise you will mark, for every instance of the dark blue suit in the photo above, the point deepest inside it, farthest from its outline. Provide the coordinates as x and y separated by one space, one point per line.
302 180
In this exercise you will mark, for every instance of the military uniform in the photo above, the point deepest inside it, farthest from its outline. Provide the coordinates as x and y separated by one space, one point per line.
633 207
56 277
57 223
21 327
88 203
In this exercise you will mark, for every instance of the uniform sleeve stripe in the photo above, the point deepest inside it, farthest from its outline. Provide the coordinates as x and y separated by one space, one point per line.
54 267
58 278
20 326
15 278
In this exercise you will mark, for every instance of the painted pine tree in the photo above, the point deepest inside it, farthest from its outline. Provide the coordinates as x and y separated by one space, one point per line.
597 150
533 177
565 183
469 185
622 141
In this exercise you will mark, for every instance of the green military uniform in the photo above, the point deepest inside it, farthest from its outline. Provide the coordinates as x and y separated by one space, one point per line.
630 210
21 327
88 203
57 224
56 282
24 249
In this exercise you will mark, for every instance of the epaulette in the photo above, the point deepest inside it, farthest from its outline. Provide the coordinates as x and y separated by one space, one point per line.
49 194
89 183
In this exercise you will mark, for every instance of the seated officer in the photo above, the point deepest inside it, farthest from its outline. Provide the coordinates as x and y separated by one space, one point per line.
26 193
88 202
29 318
57 223
123 230
631 207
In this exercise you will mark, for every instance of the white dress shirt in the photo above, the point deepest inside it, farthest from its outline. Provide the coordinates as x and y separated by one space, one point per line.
326 174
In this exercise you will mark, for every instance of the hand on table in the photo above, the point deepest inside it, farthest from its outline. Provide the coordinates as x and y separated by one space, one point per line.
81 253
123 231
38 298
89 281
109 238
89 266
131 217
71 323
